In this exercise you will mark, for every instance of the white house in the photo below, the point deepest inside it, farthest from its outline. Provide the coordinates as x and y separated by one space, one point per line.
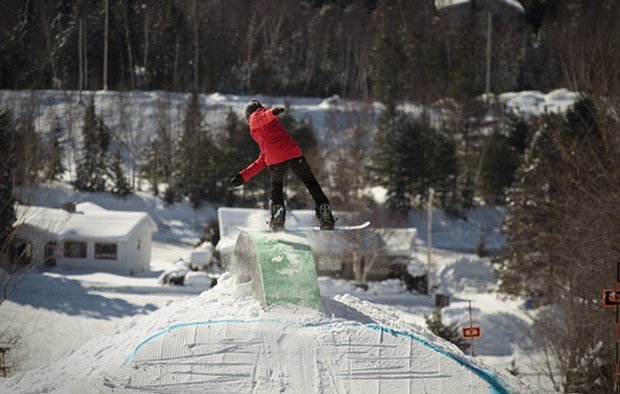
89 238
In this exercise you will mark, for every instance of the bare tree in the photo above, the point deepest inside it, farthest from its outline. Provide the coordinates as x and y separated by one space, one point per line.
124 11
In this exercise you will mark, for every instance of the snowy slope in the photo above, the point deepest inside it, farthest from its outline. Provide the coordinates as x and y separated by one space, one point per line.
223 341
137 114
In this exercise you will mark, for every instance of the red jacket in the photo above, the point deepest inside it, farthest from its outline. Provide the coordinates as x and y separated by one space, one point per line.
275 143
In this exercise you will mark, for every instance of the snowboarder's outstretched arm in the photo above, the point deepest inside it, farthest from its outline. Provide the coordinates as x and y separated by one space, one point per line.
249 172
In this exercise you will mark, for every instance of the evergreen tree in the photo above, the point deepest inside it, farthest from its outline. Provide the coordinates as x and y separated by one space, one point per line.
519 133
93 165
170 195
499 164
120 184
197 158
393 158
526 260
158 158
7 163
533 260
503 154
449 333
410 157
54 168
149 168
443 167
238 149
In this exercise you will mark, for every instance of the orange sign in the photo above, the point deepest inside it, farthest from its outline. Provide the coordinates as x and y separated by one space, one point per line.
471 332
611 298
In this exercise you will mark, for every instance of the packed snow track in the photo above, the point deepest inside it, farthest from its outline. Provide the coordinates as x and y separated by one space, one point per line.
265 356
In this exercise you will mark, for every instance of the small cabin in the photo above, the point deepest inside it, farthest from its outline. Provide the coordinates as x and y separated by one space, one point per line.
86 237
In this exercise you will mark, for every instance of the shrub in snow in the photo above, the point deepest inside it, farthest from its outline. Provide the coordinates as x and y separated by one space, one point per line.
170 196
173 277
413 274
449 333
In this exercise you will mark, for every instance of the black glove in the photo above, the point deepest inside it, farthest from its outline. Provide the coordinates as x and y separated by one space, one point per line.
277 110
237 180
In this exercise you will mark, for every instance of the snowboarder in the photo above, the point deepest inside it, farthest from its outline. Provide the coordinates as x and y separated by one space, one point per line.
278 153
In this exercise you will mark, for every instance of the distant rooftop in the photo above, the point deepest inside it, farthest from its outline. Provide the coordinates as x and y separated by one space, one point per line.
441 4
90 221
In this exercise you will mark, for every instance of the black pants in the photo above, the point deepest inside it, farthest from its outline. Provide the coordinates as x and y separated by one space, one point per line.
301 168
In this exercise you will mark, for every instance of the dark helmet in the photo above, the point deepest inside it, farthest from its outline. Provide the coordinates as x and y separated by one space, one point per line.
250 107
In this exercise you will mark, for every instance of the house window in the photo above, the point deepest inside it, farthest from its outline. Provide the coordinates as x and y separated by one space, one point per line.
50 253
75 249
21 252
105 251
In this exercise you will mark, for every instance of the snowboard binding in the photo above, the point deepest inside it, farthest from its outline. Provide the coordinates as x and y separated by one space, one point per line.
278 215
326 219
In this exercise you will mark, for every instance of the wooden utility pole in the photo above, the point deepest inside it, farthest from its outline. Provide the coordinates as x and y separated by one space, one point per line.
488 53
105 44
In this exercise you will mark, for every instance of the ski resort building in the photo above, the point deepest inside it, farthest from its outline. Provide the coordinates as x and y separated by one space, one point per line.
85 236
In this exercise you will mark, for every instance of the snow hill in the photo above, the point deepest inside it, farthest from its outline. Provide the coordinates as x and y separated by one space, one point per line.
222 341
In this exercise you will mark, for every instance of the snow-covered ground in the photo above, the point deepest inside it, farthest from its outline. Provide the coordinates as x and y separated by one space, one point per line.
64 316
222 340
69 319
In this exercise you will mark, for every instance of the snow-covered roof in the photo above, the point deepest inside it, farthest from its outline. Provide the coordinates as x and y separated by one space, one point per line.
441 4
399 241
88 207
89 223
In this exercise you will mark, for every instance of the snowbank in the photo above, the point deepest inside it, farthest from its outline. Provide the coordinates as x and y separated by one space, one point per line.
468 275
223 341
462 234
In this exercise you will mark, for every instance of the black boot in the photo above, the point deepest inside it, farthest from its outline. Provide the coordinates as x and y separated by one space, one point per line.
326 219
278 215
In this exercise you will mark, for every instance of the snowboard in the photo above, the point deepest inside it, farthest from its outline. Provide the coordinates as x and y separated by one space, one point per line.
302 229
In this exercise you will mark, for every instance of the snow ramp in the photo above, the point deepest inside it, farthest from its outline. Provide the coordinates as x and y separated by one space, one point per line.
223 341
273 355
280 266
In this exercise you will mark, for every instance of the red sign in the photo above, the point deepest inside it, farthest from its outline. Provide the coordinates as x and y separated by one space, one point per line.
611 298
471 332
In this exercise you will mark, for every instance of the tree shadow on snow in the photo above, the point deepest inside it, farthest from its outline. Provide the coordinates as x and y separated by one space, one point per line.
68 296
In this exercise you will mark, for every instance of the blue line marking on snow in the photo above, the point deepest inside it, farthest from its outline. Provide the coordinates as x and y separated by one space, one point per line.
497 385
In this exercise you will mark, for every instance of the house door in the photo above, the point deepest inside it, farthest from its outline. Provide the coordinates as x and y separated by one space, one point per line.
49 257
